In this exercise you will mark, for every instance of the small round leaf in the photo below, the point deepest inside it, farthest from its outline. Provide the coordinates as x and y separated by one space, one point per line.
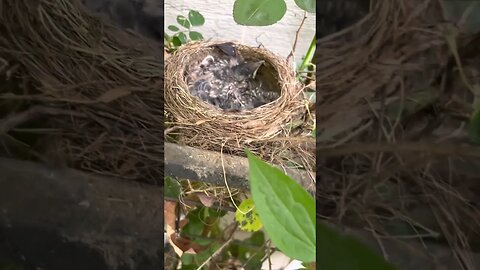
182 37
196 19
307 5
183 21
176 41
247 216
173 28
195 35
258 12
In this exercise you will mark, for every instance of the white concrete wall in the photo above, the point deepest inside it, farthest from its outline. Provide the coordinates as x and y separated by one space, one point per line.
219 24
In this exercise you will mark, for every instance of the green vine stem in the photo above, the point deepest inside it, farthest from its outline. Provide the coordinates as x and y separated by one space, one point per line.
309 56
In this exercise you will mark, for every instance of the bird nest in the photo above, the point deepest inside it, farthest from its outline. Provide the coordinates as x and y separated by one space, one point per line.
204 125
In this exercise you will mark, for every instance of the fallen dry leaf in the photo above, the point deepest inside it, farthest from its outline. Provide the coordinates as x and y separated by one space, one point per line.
169 213
206 200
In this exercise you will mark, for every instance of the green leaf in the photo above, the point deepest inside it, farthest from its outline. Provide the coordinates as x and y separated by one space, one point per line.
183 21
182 37
195 223
474 127
196 19
258 12
187 258
252 252
214 212
247 216
202 241
257 239
307 5
173 28
172 187
343 252
286 210
195 35
206 254
467 11
176 41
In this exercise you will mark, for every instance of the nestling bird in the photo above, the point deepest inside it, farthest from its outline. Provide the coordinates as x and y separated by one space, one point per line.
229 82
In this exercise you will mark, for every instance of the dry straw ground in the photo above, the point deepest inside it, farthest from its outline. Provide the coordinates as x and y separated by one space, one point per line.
394 156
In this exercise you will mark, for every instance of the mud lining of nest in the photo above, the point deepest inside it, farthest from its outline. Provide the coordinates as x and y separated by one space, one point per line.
369 177
266 129
91 90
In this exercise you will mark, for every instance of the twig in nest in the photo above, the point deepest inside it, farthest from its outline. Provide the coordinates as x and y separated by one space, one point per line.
296 37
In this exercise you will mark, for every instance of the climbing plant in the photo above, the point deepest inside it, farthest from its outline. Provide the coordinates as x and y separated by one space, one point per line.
182 32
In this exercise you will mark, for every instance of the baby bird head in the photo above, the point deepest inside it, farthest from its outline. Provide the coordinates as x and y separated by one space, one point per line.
246 70
207 61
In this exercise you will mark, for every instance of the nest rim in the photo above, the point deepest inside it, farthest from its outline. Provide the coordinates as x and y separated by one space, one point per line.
263 122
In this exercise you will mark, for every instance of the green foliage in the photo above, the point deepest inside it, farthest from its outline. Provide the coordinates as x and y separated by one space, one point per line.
336 251
183 33
258 12
265 12
201 217
474 127
466 10
250 251
172 188
307 5
173 28
183 21
190 261
286 210
247 216
195 18
195 35
307 60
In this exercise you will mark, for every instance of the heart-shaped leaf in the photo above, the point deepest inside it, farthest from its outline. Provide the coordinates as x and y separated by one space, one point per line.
307 5
286 210
176 41
183 21
258 12
182 37
195 35
196 19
